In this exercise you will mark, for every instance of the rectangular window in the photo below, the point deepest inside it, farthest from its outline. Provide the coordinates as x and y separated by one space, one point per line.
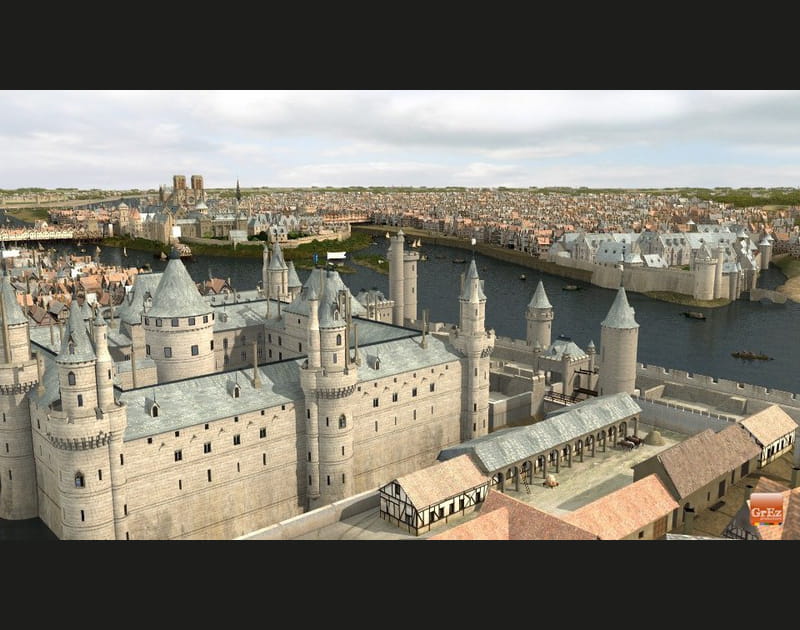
376 426
236 418
125 509
264 459
195 350
180 485
100 475
121 459
80 400
309 455
433 386
205 319
414 392
206 426
167 352
147 349
191 321
207 447
262 433
83 516
177 433
238 469
474 406
329 480
342 477
343 450
415 414
212 344
394 397
237 439
174 322
158 322
178 455
375 402
244 355
299 347
209 474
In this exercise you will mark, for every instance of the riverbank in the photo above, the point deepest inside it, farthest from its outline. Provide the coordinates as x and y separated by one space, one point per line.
790 266
526 260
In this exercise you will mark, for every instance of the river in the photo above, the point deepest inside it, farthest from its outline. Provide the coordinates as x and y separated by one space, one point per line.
666 337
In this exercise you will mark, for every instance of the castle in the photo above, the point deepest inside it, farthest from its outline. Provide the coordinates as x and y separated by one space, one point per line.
188 417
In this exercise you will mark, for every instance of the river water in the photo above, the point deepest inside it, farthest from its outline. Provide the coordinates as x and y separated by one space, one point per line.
666 337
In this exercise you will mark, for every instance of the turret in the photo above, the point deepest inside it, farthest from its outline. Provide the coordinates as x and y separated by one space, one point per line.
278 275
539 315
475 344
104 368
18 375
397 277
619 339
704 273
410 261
294 285
765 252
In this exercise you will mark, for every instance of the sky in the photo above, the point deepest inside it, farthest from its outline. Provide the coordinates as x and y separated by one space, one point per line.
120 140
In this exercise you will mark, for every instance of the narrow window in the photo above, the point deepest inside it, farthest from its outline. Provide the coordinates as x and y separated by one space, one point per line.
70 379
195 350
244 355
334 357
264 459
237 467
329 480
80 400
209 474
342 421
394 397
309 455
433 386
237 439
299 347
262 433
205 319
342 477
79 482
180 485
415 414
206 426
177 433
167 352
414 392
125 509
212 344
178 455
207 447
121 459
191 321
376 428
100 475
338 340
374 402
474 406
309 480
343 450
83 517
158 322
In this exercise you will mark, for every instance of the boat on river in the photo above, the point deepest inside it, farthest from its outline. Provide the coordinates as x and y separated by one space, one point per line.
694 315
571 287
750 356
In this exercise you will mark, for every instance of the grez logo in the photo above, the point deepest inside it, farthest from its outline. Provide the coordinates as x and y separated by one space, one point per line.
766 508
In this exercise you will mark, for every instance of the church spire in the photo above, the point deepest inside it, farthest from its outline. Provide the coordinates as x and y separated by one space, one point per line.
238 191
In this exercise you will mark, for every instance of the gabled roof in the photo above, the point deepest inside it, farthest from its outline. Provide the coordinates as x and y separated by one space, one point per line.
769 425
701 458
625 511
441 481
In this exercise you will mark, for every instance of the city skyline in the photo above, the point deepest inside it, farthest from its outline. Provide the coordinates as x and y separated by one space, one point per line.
118 140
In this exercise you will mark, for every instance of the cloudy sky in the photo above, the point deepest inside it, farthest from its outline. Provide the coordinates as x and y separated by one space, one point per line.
615 139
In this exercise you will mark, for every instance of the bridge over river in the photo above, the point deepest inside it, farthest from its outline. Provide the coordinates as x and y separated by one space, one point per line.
24 235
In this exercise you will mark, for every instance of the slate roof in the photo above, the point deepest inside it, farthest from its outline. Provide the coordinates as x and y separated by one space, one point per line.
500 449
133 304
77 336
625 511
701 458
177 294
621 314
539 299
473 289
13 311
769 425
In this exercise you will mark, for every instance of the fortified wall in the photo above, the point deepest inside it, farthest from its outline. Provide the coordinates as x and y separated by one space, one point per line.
637 279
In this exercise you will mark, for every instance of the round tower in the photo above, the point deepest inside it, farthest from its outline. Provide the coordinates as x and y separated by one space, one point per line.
765 252
18 375
410 261
179 326
475 343
79 436
704 273
397 277
328 389
539 315
619 340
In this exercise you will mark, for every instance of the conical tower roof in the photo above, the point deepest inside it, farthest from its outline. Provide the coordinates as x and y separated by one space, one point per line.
621 314
76 345
539 299
294 279
473 292
13 311
277 263
177 294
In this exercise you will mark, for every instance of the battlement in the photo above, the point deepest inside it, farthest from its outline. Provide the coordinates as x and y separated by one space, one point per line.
336 392
721 385
79 444
17 388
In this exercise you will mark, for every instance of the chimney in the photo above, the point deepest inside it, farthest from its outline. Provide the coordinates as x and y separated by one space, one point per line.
688 520
256 375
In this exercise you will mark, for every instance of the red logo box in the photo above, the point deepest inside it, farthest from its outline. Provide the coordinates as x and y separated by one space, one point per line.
766 508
